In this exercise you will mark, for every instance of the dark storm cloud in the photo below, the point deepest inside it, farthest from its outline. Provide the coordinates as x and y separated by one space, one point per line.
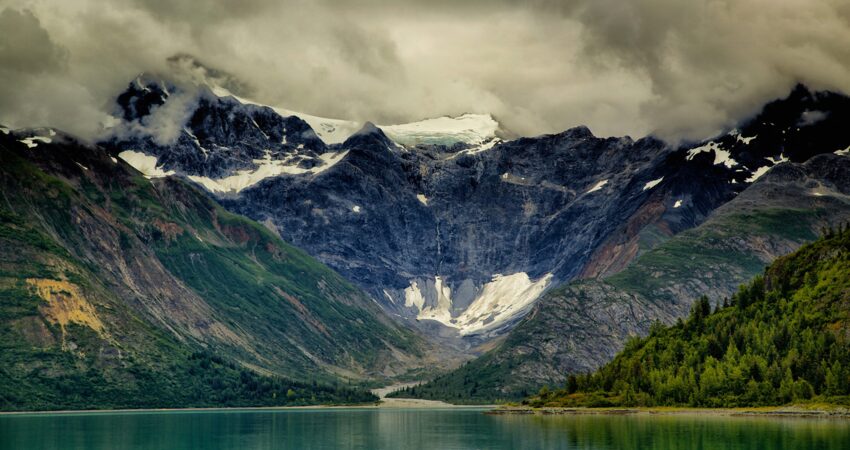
710 62
26 47
683 69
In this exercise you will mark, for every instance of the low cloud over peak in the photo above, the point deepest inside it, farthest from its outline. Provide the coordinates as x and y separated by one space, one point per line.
683 70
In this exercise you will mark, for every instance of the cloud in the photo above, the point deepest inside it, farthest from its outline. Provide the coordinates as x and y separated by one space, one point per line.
32 65
185 65
711 62
165 122
681 69
809 118
26 46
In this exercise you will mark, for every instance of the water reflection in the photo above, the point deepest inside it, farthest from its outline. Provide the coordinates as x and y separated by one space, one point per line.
412 429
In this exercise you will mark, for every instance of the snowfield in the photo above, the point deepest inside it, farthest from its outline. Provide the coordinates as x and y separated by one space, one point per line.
473 129
504 298
478 130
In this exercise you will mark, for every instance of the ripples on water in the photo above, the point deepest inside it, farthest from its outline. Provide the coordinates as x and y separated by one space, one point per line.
411 429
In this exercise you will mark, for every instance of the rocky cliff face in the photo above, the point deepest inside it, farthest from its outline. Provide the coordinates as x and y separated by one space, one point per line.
467 240
580 326
449 226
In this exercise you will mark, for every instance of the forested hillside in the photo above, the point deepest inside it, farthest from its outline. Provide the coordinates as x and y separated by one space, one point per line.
782 338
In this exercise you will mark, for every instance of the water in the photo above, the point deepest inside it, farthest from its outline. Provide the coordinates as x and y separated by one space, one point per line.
410 429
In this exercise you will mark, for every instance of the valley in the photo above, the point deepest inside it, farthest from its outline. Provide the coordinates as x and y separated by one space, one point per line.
482 265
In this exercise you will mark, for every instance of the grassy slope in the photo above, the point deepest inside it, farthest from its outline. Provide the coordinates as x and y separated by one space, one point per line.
119 292
784 338
713 246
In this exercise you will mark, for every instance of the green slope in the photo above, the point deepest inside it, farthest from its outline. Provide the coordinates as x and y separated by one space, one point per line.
783 338
580 326
119 291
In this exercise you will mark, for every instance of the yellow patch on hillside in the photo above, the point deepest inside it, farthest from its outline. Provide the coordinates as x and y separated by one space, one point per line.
65 304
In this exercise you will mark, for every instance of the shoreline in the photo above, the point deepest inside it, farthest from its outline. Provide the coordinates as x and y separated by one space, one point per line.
795 411
414 403
366 406
834 412
381 393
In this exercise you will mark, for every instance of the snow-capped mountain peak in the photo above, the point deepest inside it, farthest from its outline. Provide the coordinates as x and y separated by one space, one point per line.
469 129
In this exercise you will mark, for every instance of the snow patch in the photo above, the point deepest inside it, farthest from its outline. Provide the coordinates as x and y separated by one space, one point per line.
331 131
758 173
257 126
356 208
4 130
677 204
746 140
597 186
145 164
844 152
422 199
413 297
763 170
32 142
652 184
198 143
500 300
266 168
721 156
114 160
781 159
81 166
441 311
139 85
388 296
477 149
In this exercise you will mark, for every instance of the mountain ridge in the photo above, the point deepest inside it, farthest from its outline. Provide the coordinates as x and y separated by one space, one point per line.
440 201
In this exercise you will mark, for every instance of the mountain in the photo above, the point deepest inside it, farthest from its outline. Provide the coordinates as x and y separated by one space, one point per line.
449 225
782 338
120 290
580 326
460 232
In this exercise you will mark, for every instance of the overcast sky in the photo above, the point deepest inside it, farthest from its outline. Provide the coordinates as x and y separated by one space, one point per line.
677 68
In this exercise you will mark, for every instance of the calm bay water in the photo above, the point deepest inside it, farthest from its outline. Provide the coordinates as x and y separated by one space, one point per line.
410 429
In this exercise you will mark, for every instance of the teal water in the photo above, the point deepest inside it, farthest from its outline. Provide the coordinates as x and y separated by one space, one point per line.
410 429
